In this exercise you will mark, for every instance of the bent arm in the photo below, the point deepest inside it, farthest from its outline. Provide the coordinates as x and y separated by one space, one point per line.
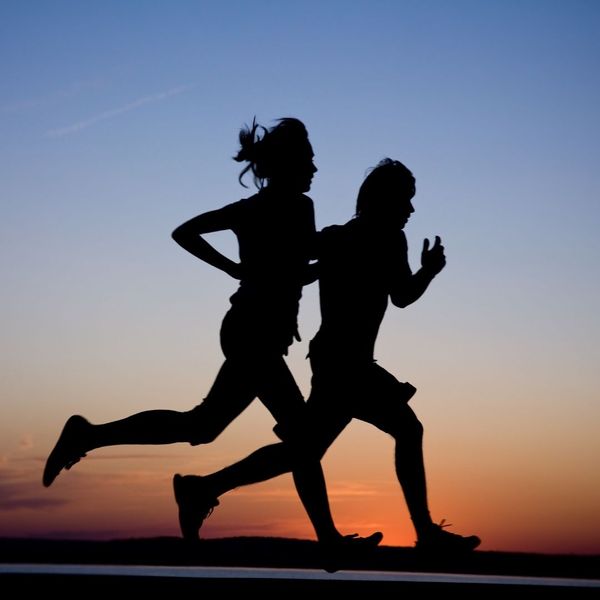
409 289
189 236
412 289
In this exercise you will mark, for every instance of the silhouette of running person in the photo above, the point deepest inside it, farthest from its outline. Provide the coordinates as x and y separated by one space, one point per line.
275 229
362 265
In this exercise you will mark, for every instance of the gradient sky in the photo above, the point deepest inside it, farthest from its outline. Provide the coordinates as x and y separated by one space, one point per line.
118 122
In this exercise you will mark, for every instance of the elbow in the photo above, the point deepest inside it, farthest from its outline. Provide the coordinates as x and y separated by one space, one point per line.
400 304
179 235
400 301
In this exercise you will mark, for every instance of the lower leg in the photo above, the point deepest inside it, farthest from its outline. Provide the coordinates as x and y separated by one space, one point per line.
148 427
410 469
336 548
79 437
196 496
231 392
411 474
263 464
312 489
266 463
272 461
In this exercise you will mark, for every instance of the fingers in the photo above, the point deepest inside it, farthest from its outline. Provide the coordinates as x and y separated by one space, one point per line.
437 245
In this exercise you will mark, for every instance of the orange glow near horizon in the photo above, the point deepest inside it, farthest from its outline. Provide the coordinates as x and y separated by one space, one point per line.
126 492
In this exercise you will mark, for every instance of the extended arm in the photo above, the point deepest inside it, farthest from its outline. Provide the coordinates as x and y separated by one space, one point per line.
412 288
189 236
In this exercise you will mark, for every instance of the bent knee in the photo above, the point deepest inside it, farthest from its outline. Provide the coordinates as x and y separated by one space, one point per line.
299 447
304 453
200 429
198 438
303 444
409 427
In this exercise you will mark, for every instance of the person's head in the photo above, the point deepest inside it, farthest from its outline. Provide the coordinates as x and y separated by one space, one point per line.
386 193
281 157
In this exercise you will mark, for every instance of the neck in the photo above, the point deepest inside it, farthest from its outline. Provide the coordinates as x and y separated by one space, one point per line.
285 190
378 226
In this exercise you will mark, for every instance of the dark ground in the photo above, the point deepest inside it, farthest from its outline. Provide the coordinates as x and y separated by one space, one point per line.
282 553
287 553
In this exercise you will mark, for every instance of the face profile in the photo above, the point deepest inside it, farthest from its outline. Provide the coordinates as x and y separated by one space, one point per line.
294 168
301 175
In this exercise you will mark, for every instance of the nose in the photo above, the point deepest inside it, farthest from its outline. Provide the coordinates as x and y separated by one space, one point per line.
314 168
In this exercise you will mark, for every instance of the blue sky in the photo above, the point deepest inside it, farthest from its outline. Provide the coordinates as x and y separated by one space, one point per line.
119 121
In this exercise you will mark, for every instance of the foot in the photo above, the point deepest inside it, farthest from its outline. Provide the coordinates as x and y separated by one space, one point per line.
69 449
355 541
436 540
338 550
195 503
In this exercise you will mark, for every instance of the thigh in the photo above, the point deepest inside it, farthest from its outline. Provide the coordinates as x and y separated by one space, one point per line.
278 391
251 330
316 427
380 399
232 392
260 365
325 418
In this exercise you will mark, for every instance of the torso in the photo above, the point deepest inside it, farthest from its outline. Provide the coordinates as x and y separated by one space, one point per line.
357 268
276 236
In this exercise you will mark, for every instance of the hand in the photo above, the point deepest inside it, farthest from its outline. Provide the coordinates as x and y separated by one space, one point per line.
433 260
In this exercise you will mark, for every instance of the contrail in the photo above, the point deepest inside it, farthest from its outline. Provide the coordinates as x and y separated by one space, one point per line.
109 114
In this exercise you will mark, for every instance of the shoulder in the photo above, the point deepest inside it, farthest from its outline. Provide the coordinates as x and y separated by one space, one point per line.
306 200
236 213
348 229
333 236
331 231
242 205
250 200
305 204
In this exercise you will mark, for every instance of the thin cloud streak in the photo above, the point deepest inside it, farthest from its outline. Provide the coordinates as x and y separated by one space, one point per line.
348 490
115 112
30 502
19 489
42 459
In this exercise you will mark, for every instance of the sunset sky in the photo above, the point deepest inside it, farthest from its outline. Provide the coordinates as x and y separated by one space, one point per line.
118 122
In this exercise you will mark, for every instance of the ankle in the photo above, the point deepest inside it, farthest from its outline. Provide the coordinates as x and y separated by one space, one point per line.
424 527
211 485
330 536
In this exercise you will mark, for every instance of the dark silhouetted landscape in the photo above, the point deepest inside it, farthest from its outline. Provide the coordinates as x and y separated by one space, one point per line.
281 553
